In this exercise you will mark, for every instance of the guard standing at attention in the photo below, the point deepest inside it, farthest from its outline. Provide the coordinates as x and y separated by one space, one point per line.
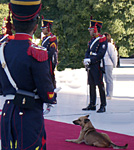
26 82
94 63
50 43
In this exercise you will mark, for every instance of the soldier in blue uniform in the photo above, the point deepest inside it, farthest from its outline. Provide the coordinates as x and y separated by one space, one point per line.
22 126
93 61
50 43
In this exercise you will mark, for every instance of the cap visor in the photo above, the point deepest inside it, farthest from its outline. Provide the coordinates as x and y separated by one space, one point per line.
90 28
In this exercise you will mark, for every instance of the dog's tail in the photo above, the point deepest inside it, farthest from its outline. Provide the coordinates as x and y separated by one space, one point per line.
119 147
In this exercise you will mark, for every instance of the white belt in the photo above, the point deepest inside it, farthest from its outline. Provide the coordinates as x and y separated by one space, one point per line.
94 54
11 97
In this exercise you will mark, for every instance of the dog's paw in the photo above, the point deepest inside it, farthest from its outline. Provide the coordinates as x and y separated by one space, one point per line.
67 140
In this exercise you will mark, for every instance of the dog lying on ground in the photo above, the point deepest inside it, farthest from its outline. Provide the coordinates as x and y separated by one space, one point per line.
90 136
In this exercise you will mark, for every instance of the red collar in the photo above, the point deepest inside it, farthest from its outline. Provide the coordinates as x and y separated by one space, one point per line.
22 36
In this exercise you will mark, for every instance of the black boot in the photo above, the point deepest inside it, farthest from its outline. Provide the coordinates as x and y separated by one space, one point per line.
102 109
90 107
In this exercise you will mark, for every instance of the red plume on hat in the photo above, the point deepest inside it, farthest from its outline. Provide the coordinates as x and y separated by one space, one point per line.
9 25
95 28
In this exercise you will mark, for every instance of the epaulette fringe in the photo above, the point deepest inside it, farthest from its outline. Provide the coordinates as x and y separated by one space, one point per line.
37 52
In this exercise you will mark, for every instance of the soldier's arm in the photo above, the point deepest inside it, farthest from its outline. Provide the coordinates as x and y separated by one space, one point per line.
53 46
41 73
43 81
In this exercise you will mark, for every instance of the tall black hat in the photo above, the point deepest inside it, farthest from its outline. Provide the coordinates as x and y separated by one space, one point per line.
94 24
24 10
46 23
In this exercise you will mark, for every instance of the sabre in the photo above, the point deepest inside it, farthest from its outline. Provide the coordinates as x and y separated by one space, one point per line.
4 37
87 69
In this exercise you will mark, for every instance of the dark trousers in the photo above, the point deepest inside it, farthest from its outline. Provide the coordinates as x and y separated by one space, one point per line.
22 129
92 89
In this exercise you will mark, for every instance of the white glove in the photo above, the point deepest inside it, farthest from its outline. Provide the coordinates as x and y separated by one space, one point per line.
86 61
57 90
46 108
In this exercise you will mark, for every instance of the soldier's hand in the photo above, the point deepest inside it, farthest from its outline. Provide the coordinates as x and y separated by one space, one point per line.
86 61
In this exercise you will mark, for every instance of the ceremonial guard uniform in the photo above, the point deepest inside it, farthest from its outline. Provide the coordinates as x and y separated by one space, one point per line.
22 123
50 43
94 62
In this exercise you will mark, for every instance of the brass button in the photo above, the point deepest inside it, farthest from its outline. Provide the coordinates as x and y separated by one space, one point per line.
3 65
8 102
23 101
20 113
4 114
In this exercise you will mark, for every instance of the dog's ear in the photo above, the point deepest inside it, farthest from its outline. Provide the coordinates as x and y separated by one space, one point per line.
87 116
86 120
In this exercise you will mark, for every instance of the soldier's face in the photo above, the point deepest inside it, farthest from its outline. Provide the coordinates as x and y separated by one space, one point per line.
91 32
45 31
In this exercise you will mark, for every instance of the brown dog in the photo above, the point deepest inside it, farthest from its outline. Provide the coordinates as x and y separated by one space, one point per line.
90 136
